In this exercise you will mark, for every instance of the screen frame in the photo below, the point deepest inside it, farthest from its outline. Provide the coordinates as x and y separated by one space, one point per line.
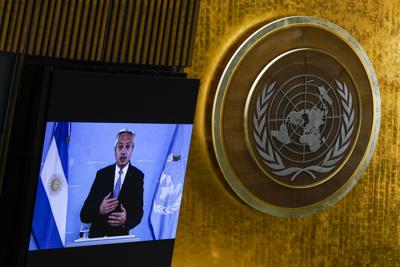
36 103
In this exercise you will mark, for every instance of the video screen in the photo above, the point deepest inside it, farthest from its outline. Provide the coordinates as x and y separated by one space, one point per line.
108 183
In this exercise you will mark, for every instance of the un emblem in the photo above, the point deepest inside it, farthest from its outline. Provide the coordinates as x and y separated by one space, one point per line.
302 125
306 96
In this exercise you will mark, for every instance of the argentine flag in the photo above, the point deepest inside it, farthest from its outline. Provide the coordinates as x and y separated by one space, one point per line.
50 216
167 199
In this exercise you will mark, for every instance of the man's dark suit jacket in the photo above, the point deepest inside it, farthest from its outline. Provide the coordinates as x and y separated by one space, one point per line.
130 196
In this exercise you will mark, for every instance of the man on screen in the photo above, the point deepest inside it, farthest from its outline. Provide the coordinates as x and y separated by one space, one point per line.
115 201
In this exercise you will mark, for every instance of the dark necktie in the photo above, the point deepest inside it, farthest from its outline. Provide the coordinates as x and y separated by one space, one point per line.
117 187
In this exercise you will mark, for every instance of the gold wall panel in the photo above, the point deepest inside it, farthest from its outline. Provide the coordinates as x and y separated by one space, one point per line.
216 228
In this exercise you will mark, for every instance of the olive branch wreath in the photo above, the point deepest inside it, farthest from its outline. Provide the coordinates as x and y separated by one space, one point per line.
165 210
272 158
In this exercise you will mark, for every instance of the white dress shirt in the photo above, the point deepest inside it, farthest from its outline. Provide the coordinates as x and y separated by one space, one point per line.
124 170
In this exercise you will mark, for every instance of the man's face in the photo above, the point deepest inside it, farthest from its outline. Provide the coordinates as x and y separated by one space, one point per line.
123 149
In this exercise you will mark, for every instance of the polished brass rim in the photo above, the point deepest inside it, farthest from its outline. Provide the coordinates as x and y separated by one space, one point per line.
224 83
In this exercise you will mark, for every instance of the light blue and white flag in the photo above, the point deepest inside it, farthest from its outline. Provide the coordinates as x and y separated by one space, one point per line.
167 199
50 216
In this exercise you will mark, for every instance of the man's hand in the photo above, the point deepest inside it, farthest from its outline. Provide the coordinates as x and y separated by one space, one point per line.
108 204
117 218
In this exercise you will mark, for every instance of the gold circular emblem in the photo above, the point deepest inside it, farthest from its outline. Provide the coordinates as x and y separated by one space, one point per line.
55 184
296 116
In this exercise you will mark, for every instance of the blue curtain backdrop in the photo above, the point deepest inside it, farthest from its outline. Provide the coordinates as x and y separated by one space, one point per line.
91 148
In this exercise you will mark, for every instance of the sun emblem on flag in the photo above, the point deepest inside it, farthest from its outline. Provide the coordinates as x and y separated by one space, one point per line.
55 184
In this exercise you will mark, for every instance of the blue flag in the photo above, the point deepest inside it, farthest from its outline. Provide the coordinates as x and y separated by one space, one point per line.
50 216
167 199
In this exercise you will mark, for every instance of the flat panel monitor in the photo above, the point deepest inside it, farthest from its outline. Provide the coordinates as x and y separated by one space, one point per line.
107 165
